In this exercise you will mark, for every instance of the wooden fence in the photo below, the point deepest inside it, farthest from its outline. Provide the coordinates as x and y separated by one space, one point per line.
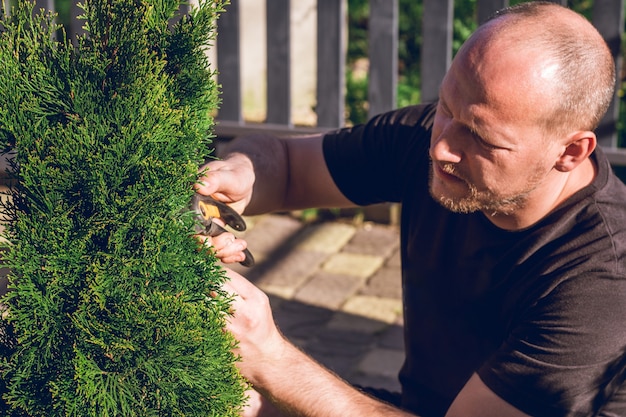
437 24
608 17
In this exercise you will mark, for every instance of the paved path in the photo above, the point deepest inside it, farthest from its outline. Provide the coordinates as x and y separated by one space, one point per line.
335 291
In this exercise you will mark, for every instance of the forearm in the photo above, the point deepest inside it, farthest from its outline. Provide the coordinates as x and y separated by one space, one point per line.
290 172
299 386
286 376
268 156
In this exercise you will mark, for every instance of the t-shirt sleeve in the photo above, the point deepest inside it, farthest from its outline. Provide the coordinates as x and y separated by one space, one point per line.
566 352
370 162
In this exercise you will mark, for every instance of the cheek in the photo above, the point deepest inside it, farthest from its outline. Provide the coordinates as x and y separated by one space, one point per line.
489 173
510 174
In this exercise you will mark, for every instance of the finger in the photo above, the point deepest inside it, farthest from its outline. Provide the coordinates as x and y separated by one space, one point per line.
238 284
227 182
229 248
216 175
234 258
228 243
205 240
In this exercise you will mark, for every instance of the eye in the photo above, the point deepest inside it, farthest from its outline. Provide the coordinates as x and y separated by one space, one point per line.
482 142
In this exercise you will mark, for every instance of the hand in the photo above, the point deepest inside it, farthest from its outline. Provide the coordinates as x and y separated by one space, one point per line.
230 181
259 406
261 345
227 247
282 373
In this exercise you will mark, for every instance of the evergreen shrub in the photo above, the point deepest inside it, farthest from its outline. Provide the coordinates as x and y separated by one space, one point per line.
114 309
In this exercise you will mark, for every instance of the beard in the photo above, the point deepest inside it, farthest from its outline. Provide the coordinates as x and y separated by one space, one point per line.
487 201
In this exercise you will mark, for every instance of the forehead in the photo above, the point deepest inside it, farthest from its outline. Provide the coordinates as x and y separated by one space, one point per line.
497 93
507 76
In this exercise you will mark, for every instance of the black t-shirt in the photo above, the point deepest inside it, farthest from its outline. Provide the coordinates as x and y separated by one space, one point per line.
539 314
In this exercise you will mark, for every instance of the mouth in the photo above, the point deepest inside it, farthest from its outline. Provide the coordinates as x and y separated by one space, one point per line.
445 173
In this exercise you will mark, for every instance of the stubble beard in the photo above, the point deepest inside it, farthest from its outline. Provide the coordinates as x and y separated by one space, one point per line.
486 201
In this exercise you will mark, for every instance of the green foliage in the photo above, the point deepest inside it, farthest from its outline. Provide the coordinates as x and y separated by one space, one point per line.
409 52
109 312
410 14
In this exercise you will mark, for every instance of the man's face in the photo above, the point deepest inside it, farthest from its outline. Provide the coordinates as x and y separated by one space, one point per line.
488 151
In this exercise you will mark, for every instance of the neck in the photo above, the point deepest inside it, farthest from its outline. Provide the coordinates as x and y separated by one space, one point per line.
548 196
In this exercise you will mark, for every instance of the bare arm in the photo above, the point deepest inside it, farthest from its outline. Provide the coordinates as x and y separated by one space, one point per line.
291 380
299 386
266 173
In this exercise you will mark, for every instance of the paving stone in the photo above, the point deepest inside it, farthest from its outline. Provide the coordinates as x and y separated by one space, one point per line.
382 362
386 283
325 237
395 259
338 347
375 381
354 264
276 301
374 239
290 271
385 310
328 290
348 337
359 324
302 321
342 365
392 338
280 291
339 354
270 234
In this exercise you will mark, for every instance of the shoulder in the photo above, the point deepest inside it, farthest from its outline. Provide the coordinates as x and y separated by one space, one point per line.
389 135
369 162
418 117
602 217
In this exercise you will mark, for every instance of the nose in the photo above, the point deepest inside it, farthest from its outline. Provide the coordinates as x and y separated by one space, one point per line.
443 146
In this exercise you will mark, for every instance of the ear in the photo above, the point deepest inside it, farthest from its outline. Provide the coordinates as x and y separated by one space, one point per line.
578 147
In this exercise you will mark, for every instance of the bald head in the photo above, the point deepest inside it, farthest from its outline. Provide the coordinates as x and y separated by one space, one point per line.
568 53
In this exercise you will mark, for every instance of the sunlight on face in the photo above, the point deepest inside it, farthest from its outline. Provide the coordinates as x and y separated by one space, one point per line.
487 201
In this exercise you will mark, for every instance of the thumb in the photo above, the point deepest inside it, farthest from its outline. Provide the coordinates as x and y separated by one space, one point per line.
224 185
214 178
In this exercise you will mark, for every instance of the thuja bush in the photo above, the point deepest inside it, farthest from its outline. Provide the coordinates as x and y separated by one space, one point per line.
114 309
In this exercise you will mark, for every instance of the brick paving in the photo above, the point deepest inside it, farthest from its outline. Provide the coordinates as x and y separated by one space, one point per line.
335 291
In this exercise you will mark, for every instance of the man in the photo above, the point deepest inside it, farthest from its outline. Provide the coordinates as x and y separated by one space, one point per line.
513 232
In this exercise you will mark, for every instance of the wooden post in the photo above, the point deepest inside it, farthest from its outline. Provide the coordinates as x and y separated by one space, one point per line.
331 62
437 46
608 18
383 56
229 63
278 62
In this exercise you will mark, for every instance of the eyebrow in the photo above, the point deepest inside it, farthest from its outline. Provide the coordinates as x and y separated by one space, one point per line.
473 128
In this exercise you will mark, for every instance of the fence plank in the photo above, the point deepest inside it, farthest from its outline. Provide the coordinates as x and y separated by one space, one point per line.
331 62
229 63
278 62
437 46
383 55
608 18
75 26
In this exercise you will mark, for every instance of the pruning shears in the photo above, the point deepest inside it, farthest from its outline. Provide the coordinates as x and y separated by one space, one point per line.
207 208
